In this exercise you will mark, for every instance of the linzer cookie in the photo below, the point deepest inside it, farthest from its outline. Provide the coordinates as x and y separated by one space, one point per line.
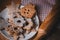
28 11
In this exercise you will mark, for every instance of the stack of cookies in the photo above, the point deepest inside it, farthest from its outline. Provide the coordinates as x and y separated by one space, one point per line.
20 20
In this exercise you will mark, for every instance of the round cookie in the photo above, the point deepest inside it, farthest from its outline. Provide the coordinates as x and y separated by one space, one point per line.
28 11
19 21
9 30
29 24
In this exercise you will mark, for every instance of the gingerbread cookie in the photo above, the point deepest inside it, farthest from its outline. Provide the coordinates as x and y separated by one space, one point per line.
28 11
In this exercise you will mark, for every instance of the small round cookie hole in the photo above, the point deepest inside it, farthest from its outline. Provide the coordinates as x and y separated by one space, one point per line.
15 28
25 9
24 12
27 23
18 21
27 13
15 16
28 10
9 25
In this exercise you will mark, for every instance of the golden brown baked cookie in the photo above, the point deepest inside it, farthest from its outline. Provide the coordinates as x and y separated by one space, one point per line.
28 11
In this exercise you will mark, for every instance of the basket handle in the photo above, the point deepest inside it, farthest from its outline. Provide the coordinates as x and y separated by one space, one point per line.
47 22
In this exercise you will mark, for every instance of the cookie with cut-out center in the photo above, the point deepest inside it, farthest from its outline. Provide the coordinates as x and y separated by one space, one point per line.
28 11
